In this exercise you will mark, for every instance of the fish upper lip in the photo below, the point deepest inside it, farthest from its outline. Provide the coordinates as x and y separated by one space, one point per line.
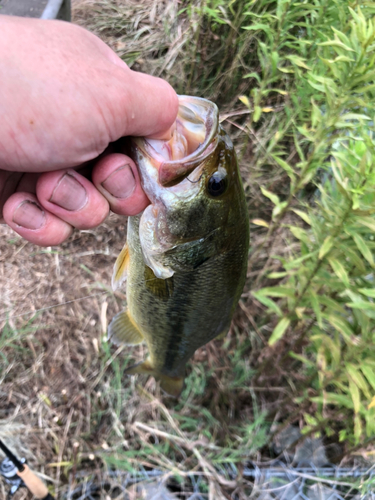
170 171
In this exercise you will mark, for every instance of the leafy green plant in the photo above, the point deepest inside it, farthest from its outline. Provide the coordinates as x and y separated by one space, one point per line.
324 296
11 337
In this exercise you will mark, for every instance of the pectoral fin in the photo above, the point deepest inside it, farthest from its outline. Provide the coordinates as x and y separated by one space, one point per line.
163 289
120 269
171 385
122 330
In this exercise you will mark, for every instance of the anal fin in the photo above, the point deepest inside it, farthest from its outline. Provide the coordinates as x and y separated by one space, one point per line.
122 330
171 385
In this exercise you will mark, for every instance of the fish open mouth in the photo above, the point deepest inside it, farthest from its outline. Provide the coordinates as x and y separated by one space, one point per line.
193 138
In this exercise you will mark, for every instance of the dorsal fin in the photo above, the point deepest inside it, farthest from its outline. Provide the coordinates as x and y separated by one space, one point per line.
120 269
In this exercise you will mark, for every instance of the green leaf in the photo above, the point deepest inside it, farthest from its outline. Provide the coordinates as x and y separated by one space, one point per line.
342 326
326 247
353 257
354 392
367 221
277 274
260 222
316 308
336 43
369 292
304 216
279 330
299 260
354 116
367 76
285 70
257 113
316 86
331 304
334 399
354 297
310 420
332 347
303 360
266 301
245 100
278 209
259 26
358 379
300 234
339 59
367 308
341 36
284 165
357 428
361 304
277 291
340 271
316 114
365 88
369 372
363 248
271 196
298 61
253 74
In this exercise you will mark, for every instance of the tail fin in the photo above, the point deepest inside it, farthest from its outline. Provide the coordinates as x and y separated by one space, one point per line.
171 385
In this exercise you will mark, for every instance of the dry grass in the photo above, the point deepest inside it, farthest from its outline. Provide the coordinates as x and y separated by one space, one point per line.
52 318
152 37
61 384
145 34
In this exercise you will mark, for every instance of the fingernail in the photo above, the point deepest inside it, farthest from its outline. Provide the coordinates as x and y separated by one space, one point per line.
29 215
69 194
121 182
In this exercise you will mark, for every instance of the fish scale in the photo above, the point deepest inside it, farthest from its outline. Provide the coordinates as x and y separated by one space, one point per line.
185 260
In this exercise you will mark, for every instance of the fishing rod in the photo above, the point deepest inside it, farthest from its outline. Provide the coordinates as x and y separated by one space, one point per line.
12 467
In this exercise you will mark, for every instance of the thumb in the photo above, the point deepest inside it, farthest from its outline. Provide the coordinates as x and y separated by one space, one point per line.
147 107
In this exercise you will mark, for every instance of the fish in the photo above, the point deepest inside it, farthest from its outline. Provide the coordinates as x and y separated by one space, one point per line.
185 260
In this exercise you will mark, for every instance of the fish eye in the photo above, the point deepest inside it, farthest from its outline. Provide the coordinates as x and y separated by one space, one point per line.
217 183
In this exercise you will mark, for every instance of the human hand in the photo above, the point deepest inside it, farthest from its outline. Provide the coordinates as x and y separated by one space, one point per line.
64 97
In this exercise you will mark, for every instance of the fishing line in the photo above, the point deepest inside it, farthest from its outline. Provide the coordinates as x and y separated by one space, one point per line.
68 302
194 182
54 305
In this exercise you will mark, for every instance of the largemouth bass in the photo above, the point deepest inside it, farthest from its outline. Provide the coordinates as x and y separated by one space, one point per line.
186 255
